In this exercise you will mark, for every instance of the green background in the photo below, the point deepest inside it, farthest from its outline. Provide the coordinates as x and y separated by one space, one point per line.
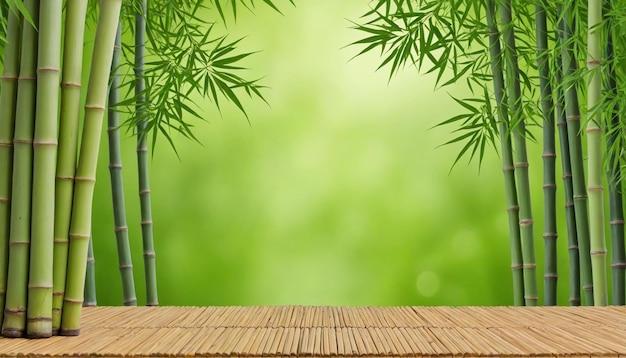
335 194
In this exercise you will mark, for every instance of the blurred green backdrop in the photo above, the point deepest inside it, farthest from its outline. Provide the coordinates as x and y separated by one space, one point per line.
335 194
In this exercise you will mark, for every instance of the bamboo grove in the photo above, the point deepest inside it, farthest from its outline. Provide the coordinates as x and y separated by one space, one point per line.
554 66
50 139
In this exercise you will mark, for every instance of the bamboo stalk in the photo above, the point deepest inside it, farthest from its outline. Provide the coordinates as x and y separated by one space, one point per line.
520 155
8 99
594 152
68 142
508 169
90 278
117 183
549 159
570 215
142 159
80 227
614 174
39 311
14 323
572 113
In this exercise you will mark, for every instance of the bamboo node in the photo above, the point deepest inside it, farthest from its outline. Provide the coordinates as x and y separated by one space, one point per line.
26 78
508 169
569 205
574 301
147 222
526 222
121 228
595 188
529 266
549 186
40 319
130 300
550 235
144 192
70 300
69 332
575 117
598 253
22 141
126 267
83 179
142 150
580 197
5 200
71 84
551 275
616 222
79 236
57 294
40 286
521 165
60 240
594 62
115 166
61 177
572 247
548 155
6 144
97 107
513 208
14 310
91 260
8 77
149 255
516 267
593 130
530 297
588 288
567 176
17 243
48 69
45 142
619 264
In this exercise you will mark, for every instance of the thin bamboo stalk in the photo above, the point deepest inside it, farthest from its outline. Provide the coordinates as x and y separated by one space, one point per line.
520 155
90 278
80 227
594 152
8 99
142 159
614 174
68 142
572 113
39 311
14 323
508 169
117 183
570 215
550 234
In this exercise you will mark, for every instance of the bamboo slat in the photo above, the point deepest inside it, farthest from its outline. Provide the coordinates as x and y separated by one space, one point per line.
307 331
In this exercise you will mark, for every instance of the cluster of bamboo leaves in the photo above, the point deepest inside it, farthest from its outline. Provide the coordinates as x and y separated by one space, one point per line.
558 65
47 172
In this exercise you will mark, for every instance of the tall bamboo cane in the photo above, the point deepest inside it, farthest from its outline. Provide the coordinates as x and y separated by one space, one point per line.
142 158
68 142
39 312
549 158
80 227
117 184
508 169
570 215
8 98
614 174
572 112
90 278
14 323
521 161
594 150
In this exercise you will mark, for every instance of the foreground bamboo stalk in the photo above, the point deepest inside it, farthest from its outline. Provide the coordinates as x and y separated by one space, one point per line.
594 150
572 112
68 142
508 169
8 98
80 227
520 155
549 159
142 158
39 312
14 324
614 174
117 184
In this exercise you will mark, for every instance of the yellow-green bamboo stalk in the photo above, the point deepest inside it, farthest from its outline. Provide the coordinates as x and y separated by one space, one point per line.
142 159
8 98
39 313
117 183
80 227
68 141
90 278
520 155
14 323
594 151
495 54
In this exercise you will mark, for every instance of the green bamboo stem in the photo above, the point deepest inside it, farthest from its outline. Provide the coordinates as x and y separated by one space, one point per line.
80 226
117 183
14 323
142 159
549 159
508 169
90 278
8 99
618 255
570 215
572 113
594 153
520 155
68 142
39 311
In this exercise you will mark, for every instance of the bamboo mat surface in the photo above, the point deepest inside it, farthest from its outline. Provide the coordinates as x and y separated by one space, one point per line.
294 331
